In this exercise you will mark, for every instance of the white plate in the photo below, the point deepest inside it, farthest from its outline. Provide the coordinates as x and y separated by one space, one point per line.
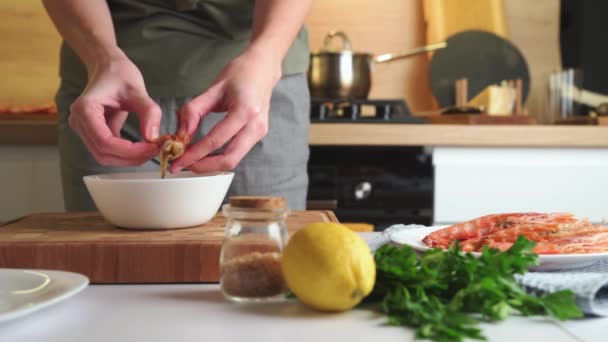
547 262
25 291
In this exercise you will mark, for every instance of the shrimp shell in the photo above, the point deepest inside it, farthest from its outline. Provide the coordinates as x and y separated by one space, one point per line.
489 224
553 233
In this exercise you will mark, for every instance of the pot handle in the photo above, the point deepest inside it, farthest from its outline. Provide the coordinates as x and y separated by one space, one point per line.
392 56
331 35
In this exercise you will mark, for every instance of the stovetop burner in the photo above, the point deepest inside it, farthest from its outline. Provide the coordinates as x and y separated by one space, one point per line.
363 111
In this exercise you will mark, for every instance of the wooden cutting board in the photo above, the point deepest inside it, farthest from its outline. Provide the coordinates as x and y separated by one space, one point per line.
85 243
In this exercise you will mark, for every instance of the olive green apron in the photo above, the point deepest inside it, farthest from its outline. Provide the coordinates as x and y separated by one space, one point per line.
180 46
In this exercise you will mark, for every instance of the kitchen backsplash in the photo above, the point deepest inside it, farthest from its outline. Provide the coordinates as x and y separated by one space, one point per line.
376 27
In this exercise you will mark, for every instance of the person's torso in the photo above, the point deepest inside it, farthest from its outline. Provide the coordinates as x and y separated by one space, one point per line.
181 45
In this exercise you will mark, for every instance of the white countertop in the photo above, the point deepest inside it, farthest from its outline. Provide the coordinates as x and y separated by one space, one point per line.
199 313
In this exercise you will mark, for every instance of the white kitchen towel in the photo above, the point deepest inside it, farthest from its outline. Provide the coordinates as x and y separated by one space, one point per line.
589 284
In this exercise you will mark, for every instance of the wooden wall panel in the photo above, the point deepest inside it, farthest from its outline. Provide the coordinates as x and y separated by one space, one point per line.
446 17
29 55
534 28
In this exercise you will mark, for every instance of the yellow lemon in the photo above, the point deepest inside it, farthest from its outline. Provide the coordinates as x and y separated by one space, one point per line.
328 267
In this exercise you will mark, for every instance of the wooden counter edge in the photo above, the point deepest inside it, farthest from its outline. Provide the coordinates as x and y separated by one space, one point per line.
44 132
34 131
459 135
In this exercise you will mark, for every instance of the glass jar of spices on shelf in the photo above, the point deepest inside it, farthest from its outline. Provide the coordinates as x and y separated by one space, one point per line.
250 260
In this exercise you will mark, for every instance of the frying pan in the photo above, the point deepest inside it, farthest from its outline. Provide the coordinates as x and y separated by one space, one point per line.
483 58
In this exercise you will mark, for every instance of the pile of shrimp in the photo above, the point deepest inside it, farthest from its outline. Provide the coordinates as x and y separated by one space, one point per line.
555 233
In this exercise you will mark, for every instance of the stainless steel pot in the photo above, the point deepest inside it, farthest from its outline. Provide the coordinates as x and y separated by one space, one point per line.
345 74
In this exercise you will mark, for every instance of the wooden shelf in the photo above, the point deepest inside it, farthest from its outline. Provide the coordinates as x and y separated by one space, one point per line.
43 131
459 135
31 129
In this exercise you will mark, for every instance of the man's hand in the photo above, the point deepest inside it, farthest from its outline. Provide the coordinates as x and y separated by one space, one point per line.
243 90
115 85
115 88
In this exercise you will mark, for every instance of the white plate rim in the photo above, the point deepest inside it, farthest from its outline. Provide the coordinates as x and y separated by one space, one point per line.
411 237
72 283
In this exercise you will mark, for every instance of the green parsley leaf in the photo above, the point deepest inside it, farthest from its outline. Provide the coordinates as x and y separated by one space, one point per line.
445 294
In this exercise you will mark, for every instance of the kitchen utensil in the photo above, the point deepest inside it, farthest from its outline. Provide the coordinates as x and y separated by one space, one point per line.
564 92
144 201
582 97
462 98
519 88
602 109
497 99
346 74
86 243
25 291
461 93
482 58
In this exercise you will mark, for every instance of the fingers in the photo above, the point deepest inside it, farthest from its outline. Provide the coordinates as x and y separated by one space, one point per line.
240 145
217 137
192 112
235 151
88 120
149 114
115 121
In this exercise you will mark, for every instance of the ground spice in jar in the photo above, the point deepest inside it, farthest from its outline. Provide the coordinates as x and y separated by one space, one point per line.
250 262
253 275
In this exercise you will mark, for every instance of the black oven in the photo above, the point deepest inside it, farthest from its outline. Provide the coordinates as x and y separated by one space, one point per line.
370 184
377 185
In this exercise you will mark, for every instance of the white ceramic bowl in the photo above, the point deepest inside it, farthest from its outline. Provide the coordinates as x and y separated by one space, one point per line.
143 200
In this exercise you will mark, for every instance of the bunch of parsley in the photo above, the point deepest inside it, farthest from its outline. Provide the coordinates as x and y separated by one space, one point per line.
445 294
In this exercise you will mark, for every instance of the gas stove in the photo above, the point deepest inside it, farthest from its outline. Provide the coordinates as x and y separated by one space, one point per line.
361 111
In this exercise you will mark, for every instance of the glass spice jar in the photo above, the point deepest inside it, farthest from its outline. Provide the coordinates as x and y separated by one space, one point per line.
250 260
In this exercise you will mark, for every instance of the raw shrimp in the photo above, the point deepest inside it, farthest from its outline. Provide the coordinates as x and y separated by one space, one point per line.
583 233
584 248
171 146
531 232
489 224
551 248
552 233
540 248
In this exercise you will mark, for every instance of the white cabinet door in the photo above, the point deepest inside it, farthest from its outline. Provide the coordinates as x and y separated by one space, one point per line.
471 182
30 181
